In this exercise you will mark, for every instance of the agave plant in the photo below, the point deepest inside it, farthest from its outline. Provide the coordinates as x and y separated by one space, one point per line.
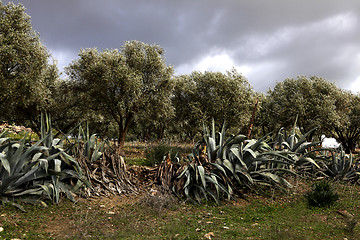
302 152
104 167
220 166
251 162
32 172
299 147
87 145
195 181
339 165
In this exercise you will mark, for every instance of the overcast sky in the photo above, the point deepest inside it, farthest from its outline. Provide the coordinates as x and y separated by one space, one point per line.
267 41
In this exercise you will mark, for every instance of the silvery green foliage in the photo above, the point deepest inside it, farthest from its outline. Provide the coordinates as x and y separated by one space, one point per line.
33 172
25 75
129 85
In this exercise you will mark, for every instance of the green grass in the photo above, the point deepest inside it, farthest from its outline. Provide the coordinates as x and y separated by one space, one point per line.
137 161
278 217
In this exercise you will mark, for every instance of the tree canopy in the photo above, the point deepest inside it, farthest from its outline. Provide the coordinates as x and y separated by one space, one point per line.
312 99
24 74
317 103
199 97
123 84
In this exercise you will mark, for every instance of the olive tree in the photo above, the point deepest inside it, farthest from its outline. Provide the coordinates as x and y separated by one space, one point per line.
347 129
24 68
199 97
312 100
123 85
317 103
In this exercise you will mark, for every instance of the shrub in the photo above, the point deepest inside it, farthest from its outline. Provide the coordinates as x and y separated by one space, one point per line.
321 195
155 154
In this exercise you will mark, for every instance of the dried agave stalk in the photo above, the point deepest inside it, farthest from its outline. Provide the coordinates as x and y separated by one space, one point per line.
107 175
166 172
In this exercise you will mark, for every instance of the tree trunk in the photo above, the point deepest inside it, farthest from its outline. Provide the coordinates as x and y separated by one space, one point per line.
121 140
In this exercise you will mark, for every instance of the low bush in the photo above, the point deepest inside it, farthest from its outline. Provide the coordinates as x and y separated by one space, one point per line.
322 195
155 154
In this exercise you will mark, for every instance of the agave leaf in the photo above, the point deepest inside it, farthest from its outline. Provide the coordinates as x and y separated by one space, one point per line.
210 179
56 142
211 147
67 189
71 173
43 126
4 162
286 145
213 177
27 177
249 144
261 161
188 178
96 155
78 184
250 151
48 190
275 170
306 145
218 166
291 141
307 159
202 175
17 159
3 133
184 171
277 154
8 181
46 130
55 180
197 196
226 146
303 139
348 165
97 152
22 192
275 178
236 140
213 195
221 141
2 140
36 156
292 137
213 128
243 174
228 165
203 191
236 152
260 141
263 146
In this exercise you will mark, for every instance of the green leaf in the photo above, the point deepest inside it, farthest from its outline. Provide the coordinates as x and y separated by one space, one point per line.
275 178
202 175
307 159
4 162
228 165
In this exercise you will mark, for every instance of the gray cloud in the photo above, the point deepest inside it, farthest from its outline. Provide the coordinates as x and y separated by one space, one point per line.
273 40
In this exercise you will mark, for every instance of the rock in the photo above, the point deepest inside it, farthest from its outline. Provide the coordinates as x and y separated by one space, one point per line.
209 235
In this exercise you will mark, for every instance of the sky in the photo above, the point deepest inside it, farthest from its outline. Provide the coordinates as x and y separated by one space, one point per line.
266 41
